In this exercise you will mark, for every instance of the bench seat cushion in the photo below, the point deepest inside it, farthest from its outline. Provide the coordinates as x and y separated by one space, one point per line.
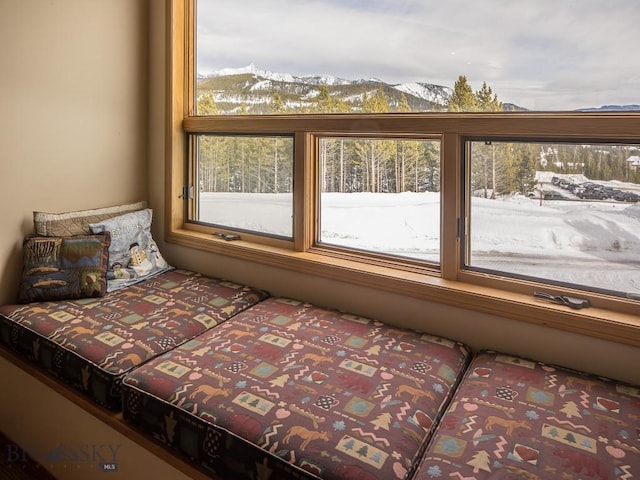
289 390
516 418
91 343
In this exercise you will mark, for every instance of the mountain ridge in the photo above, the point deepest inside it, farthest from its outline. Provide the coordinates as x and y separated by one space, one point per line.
250 89
253 89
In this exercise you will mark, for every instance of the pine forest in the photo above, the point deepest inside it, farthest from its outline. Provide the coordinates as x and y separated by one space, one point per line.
255 164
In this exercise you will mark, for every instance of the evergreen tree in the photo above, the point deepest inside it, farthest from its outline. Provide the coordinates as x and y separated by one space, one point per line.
430 164
377 103
480 461
206 105
403 104
363 451
325 103
277 105
382 421
570 409
525 170
463 99
487 101
280 381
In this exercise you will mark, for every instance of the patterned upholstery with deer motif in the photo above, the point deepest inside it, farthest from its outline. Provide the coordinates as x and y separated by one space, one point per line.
92 343
513 418
291 390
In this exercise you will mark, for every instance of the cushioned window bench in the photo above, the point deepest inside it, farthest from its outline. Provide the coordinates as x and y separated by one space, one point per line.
298 391
224 380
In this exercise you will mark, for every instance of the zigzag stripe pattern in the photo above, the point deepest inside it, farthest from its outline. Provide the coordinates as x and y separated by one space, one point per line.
552 380
301 373
273 433
382 389
403 411
290 356
471 422
627 474
178 393
266 391
123 332
222 345
498 453
567 422
366 359
284 334
390 344
111 357
186 360
585 399
374 331
372 436
57 332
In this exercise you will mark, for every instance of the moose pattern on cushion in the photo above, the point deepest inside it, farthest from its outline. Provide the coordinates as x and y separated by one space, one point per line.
516 418
289 390
91 343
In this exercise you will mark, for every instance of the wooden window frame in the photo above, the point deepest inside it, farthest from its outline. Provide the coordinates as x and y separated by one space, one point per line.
610 318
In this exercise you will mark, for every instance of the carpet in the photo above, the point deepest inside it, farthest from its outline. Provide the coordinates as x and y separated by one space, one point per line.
15 463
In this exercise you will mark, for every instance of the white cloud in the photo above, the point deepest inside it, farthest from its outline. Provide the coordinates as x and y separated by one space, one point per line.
549 54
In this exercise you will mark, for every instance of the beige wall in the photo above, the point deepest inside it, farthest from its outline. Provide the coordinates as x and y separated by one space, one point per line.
73 111
73 135
81 126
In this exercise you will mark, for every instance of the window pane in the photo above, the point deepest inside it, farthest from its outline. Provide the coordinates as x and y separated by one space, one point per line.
286 56
563 213
245 183
381 195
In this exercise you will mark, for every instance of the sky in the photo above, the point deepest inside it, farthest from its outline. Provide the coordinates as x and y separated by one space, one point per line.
538 54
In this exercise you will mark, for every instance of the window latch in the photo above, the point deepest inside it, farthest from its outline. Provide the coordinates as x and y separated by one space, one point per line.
226 236
573 302
187 192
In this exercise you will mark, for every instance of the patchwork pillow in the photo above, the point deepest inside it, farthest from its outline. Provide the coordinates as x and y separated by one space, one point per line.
133 254
77 223
60 268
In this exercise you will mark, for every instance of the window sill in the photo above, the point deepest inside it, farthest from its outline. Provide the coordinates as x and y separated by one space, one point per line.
596 322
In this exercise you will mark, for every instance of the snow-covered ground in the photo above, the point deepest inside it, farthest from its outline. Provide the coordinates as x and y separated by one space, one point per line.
590 243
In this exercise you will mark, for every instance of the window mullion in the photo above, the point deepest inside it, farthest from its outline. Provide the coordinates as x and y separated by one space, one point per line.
304 191
452 185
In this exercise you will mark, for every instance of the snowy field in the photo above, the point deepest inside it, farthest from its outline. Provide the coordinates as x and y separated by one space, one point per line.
590 243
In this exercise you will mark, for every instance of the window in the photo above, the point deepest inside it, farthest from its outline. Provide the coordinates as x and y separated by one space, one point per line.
245 182
566 214
330 56
479 160
381 195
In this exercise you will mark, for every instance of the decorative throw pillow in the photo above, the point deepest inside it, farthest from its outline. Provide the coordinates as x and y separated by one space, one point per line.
133 254
59 268
77 223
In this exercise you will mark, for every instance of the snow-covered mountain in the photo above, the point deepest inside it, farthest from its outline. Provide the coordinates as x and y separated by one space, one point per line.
251 69
253 89
426 91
